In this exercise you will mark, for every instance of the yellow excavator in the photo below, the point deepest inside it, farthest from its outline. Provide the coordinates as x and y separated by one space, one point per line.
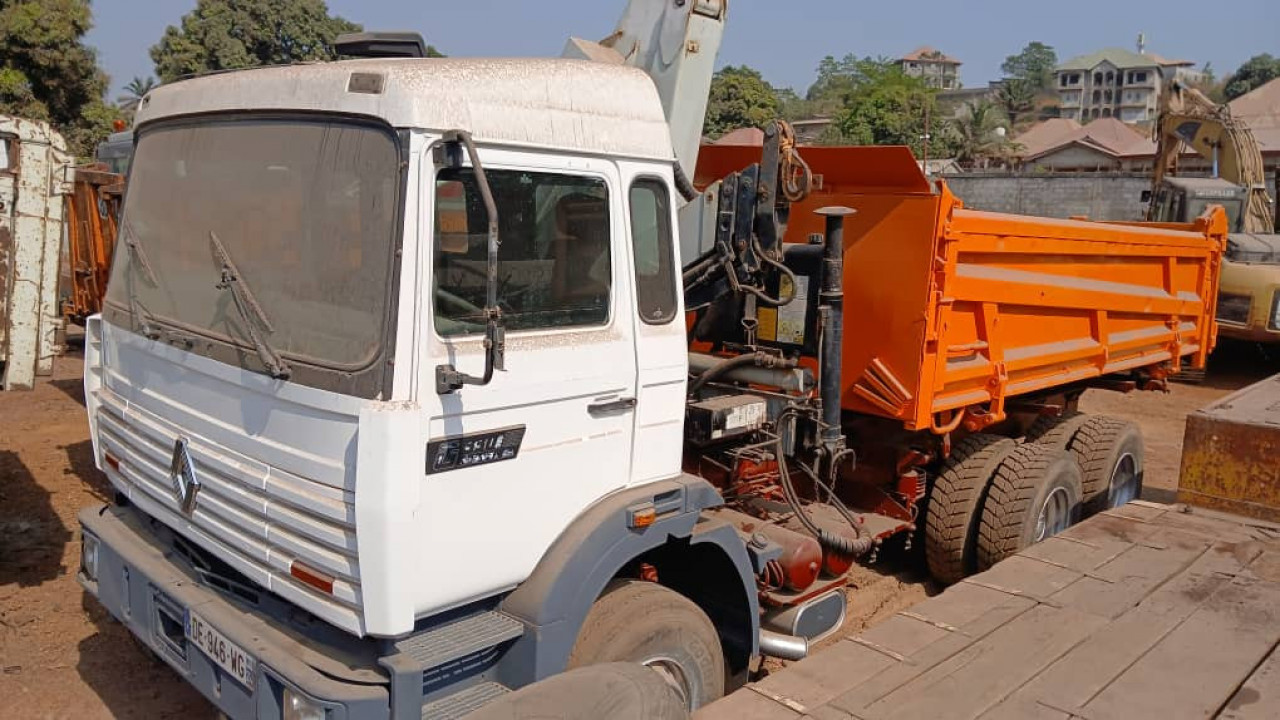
1249 292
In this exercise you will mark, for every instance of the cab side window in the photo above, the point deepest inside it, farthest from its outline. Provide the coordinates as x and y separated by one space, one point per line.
554 266
653 249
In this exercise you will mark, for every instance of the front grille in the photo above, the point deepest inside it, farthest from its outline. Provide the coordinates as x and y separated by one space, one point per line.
256 518
1234 308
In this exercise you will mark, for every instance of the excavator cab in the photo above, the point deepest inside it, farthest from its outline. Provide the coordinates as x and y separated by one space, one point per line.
1183 199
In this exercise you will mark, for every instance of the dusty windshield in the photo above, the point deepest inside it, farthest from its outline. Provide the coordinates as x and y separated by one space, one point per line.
305 208
1197 207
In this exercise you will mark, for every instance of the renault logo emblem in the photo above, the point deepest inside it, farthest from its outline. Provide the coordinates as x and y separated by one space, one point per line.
182 474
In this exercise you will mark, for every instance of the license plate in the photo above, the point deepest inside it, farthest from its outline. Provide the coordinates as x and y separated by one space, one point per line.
229 656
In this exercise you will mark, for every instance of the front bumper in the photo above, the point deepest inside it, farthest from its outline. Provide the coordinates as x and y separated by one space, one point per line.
142 588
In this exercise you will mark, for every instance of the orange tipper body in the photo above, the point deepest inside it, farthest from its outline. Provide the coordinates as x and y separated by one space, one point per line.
949 312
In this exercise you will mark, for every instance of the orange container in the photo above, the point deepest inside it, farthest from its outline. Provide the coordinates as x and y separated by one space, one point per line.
950 312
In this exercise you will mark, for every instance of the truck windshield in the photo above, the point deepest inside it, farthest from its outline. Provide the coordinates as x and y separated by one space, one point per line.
306 207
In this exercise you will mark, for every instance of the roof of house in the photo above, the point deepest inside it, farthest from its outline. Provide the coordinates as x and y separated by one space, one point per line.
1119 57
1106 135
1044 135
929 54
573 104
1260 107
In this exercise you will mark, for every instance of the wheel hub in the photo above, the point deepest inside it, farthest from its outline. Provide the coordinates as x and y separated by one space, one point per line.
1124 481
1055 514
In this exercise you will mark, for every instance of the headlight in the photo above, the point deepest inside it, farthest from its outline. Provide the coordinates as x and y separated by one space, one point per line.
1275 311
300 707
89 556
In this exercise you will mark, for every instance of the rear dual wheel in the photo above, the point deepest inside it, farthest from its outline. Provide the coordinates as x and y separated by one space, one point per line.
993 498
1034 495
1108 451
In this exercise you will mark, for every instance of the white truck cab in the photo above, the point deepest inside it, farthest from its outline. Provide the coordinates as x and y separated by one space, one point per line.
323 498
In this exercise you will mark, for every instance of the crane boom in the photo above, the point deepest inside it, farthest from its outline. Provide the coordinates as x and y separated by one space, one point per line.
676 42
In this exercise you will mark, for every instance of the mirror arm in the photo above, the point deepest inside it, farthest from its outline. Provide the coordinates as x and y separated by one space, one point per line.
448 378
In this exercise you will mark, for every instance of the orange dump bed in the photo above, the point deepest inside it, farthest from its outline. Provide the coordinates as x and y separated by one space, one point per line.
950 312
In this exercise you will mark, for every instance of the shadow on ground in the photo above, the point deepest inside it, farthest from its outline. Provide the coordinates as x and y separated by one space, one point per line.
1235 365
80 462
132 681
32 536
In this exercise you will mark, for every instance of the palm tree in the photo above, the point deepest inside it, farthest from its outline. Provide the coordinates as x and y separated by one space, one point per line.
134 92
978 134
1017 97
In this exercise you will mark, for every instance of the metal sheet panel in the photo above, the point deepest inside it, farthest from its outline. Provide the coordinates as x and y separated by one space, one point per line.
36 178
1231 454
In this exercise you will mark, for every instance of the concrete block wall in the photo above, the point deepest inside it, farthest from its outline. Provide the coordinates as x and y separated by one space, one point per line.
1111 196
1100 197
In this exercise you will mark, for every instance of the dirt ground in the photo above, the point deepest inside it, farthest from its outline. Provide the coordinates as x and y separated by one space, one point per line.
61 656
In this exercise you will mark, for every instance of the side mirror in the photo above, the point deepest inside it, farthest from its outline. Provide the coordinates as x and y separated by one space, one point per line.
1146 196
448 378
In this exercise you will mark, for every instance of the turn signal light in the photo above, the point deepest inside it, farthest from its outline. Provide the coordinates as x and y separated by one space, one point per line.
309 575
643 518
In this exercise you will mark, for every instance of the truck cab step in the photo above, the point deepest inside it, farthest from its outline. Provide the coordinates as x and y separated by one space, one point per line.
465 702
461 638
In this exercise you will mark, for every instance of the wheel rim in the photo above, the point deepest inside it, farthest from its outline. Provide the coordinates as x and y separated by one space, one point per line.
1124 480
1055 514
674 675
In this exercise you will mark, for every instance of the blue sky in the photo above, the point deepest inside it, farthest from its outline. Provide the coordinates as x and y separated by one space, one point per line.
784 39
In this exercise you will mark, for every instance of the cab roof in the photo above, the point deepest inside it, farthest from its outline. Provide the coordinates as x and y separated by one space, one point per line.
1217 186
551 103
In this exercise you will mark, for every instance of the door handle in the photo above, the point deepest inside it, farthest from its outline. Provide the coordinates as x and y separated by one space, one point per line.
612 406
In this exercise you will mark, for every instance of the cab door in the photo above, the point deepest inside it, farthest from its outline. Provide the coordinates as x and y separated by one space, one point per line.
512 463
662 357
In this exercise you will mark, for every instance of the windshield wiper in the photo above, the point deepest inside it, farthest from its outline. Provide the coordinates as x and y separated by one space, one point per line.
250 311
138 257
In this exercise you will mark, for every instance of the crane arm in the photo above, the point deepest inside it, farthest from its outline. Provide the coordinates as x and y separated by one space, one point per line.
1189 118
676 42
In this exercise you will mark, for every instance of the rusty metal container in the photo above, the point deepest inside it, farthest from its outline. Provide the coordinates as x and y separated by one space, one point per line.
950 312
1231 454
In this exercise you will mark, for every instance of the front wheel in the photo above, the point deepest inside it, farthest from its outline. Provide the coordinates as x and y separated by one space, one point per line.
645 623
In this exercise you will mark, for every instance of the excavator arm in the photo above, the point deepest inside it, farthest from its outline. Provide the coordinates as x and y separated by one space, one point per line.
1189 118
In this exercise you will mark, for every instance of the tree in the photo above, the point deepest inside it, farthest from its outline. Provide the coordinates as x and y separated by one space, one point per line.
885 106
48 73
1035 65
836 78
231 34
739 98
134 92
1017 97
976 133
1254 73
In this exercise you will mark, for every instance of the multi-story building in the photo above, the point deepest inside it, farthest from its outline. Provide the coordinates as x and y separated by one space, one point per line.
1117 83
938 69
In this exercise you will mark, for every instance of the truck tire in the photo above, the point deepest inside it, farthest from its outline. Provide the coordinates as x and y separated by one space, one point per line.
1110 455
955 502
618 691
1056 431
1034 494
645 623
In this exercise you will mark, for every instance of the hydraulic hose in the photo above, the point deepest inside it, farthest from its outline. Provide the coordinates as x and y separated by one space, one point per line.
683 186
855 547
759 359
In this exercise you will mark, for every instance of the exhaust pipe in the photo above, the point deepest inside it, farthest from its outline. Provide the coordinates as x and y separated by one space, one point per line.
783 647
